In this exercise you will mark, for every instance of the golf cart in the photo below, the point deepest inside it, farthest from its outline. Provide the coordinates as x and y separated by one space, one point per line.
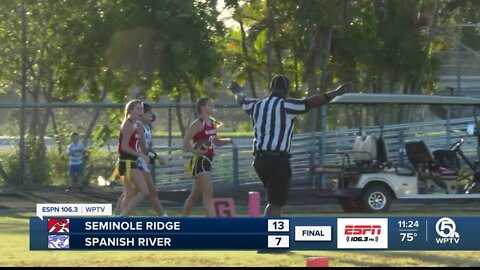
367 180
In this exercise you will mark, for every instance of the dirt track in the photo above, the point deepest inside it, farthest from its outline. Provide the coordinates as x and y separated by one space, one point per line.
28 200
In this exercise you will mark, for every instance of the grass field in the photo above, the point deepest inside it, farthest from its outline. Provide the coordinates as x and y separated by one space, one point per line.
14 236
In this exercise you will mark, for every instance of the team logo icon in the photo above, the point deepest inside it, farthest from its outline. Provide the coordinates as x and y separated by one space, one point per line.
58 225
58 241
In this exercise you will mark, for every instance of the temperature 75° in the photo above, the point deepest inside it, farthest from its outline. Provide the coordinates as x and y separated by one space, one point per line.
408 236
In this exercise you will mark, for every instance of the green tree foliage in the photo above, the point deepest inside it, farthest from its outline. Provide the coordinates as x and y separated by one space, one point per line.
99 50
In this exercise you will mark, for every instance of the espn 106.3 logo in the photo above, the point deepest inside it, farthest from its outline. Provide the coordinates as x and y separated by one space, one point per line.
369 233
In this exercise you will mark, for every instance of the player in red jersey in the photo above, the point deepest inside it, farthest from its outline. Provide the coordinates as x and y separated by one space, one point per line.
203 133
135 187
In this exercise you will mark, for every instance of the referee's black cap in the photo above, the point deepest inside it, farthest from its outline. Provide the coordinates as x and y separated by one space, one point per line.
280 82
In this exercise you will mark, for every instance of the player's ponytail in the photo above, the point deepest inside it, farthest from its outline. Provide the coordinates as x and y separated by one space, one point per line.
217 123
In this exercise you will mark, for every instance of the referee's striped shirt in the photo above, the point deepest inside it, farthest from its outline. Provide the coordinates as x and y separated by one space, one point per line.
273 119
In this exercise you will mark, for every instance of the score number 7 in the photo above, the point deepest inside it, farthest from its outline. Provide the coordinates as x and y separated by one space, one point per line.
279 239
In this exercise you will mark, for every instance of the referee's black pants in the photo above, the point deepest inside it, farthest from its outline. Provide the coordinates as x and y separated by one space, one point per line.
276 175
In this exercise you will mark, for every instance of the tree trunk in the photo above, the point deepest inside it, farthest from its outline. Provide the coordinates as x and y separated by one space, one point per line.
247 60
55 131
34 153
428 43
96 115
42 151
23 152
295 64
48 98
311 64
191 88
178 110
33 131
268 45
42 148
326 59
193 96
278 54
276 43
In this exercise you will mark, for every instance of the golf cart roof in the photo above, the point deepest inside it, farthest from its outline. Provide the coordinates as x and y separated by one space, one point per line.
404 99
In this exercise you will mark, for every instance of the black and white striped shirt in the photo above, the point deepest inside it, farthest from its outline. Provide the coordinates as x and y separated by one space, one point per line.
273 119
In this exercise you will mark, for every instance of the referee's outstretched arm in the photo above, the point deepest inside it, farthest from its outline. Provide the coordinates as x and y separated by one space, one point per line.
323 99
311 102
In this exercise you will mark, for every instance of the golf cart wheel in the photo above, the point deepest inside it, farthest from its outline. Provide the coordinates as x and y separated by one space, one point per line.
349 205
376 199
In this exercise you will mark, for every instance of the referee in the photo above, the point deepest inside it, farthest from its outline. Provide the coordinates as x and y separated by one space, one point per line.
273 119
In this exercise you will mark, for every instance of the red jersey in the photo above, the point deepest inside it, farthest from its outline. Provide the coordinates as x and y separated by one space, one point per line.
132 142
208 132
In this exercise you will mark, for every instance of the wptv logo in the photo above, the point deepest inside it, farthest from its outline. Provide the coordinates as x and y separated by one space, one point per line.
447 230
358 233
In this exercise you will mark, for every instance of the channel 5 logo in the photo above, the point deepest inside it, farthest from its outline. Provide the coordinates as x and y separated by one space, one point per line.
447 231
367 233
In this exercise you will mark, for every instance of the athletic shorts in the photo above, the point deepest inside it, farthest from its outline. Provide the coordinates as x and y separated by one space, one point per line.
75 169
122 166
276 176
142 165
200 164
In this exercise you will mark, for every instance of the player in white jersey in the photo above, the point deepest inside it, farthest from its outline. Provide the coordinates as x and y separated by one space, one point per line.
146 145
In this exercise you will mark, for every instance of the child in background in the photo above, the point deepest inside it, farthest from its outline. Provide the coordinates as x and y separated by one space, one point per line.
75 152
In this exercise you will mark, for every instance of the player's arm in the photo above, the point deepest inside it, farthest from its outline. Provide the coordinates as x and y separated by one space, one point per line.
323 99
221 142
150 144
194 128
153 155
141 139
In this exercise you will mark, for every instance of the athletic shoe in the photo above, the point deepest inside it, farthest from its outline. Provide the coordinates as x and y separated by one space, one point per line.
165 215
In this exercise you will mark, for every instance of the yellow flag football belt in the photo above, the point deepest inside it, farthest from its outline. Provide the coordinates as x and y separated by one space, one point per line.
191 163
127 178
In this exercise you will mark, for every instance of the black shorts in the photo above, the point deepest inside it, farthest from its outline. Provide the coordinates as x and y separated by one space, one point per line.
276 176
200 164
122 166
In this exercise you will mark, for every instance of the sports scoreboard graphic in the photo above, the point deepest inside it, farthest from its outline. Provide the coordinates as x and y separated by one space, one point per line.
254 233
